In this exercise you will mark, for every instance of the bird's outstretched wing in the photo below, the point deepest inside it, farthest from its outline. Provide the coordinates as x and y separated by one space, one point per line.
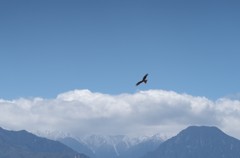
139 83
144 77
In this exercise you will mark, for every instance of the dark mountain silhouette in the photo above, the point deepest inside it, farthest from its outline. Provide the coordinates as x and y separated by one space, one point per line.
198 142
22 144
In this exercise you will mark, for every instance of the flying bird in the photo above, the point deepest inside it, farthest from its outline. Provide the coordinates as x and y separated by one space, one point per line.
144 79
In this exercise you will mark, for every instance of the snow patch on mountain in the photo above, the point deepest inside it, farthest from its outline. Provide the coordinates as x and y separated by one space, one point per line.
106 146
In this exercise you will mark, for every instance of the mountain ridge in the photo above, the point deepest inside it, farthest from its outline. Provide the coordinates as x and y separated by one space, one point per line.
114 146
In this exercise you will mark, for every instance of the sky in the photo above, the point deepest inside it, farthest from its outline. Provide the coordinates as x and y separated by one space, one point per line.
75 63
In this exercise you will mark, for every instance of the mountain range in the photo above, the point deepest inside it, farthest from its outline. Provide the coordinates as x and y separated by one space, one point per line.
192 142
118 146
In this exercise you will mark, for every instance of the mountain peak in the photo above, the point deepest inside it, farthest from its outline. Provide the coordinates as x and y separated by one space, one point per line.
201 131
198 142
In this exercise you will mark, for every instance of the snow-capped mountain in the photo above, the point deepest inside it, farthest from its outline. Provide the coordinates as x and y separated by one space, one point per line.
119 146
102 146
52 134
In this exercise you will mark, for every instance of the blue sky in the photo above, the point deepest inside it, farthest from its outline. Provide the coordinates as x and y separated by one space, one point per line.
50 47
68 62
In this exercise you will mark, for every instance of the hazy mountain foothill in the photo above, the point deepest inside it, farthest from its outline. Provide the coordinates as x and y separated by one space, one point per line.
22 144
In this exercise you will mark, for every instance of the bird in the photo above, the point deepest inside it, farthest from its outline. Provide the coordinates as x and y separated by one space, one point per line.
144 79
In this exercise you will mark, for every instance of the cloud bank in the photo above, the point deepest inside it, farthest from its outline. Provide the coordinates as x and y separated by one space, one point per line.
82 112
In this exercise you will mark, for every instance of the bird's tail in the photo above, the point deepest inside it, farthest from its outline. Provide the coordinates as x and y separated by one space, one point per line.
145 81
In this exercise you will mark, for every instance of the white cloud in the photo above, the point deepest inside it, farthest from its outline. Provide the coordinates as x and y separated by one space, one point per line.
82 112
